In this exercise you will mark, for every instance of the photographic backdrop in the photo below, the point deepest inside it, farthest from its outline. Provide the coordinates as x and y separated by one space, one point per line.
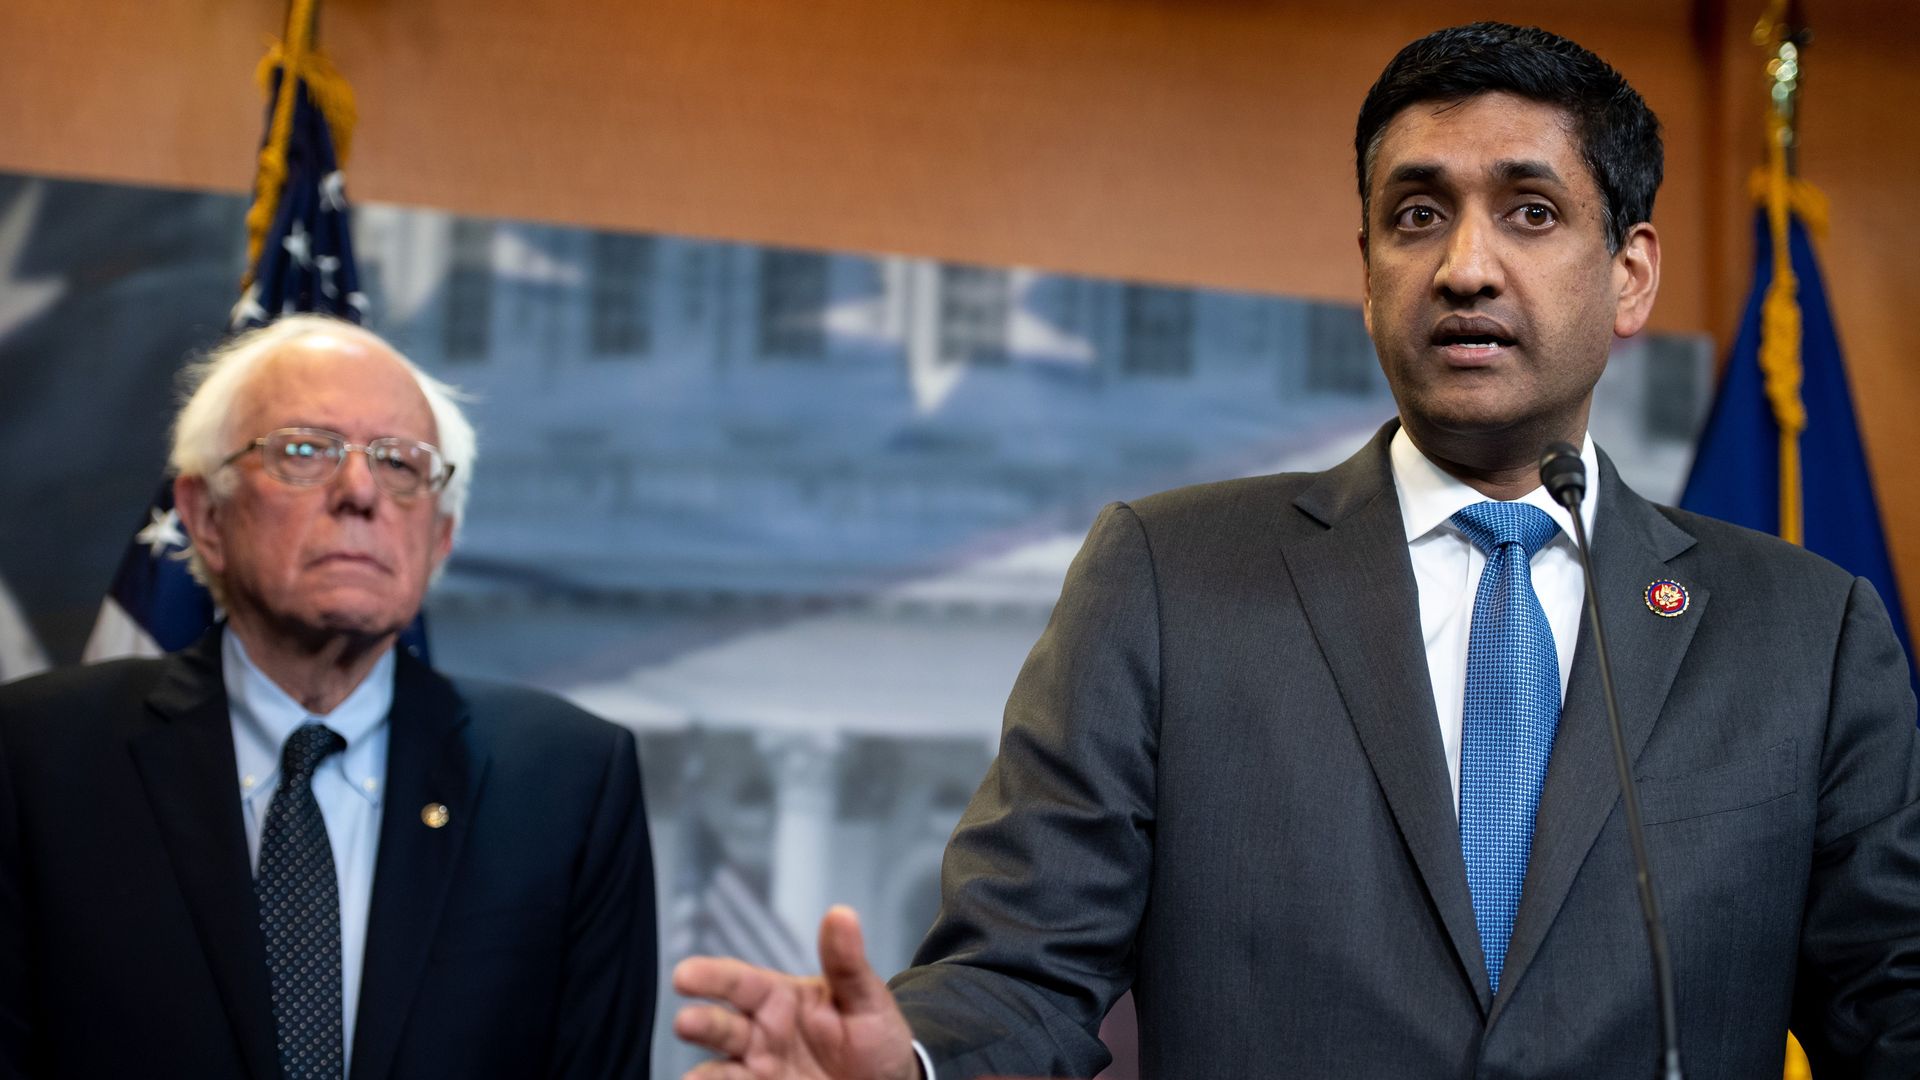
793 516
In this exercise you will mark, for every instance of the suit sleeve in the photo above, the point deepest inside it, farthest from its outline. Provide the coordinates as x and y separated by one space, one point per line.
1046 877
1857 996
604 1013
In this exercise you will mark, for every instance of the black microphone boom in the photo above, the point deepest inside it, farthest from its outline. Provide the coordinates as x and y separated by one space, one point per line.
1565 477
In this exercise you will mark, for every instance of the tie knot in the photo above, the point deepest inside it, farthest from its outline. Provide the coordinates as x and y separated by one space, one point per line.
1492 525
306 748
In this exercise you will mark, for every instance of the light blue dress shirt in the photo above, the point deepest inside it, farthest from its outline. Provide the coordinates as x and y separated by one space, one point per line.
348 786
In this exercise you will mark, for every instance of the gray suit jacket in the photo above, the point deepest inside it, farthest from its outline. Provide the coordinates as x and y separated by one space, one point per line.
1221 784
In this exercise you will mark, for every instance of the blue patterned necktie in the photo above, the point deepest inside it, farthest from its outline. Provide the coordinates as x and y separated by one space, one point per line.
1508 719
300 912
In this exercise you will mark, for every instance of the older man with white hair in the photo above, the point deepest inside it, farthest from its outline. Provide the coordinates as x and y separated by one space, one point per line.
291 849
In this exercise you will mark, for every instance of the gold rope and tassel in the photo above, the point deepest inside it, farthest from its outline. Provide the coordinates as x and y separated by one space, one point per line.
1780 341
1783 195
300 63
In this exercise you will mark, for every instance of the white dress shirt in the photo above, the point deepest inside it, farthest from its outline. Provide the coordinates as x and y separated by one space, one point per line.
347 786
1446 572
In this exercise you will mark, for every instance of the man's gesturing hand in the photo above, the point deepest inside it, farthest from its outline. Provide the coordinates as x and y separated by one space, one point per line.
843 1025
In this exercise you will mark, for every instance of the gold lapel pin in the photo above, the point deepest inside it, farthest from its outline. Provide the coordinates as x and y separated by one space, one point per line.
1667 598
434 815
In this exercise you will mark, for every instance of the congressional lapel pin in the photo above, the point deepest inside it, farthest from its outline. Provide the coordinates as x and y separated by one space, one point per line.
1666 598
434 815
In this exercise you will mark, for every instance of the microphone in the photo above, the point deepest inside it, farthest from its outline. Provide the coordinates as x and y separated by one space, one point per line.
1565 477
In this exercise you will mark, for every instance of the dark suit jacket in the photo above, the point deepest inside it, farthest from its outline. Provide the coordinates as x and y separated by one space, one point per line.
1221 783
516 941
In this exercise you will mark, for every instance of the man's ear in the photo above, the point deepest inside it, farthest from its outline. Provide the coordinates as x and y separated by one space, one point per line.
1636 276
1366 281
199 513
442 539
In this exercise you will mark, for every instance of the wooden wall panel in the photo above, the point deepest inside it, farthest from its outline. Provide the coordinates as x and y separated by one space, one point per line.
1160 139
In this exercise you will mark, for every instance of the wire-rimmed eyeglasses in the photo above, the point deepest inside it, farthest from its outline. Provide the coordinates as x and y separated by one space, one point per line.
308 456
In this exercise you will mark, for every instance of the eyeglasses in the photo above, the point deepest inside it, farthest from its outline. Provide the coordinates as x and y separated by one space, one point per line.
308 456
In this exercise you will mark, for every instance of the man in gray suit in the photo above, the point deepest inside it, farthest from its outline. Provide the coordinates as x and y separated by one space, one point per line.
1280 766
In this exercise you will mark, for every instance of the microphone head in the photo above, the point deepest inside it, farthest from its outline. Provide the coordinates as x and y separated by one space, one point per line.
1564 475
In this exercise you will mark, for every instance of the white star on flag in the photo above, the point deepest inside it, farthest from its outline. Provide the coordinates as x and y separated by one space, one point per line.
247 309
297 245
328 265
161 533
333 190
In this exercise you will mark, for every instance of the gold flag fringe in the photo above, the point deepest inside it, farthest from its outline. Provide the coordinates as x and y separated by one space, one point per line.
329 92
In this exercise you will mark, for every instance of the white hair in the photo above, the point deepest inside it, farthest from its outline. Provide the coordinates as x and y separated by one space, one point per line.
203 435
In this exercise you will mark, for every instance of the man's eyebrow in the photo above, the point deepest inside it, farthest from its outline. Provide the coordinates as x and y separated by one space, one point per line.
1506 171
1511 171
1414 172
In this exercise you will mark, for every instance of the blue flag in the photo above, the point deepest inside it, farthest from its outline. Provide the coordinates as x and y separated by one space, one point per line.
1736 472
302 262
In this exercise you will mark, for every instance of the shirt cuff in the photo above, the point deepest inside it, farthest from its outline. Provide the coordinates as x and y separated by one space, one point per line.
926 1063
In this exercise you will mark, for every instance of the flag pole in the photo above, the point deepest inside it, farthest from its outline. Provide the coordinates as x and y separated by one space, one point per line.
289 55
1782 33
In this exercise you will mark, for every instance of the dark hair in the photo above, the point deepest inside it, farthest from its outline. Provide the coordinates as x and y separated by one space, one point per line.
1619 136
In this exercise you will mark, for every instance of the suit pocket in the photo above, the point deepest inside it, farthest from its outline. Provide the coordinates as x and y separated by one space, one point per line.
469 933
1760 778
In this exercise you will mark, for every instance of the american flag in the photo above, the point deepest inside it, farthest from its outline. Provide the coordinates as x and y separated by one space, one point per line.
300 249
299 237
719 906
718 910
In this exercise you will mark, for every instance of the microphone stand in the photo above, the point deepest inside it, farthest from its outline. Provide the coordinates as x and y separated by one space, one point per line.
1565 478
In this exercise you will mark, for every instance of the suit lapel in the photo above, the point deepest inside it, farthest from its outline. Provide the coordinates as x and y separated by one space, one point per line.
430 759
1631 549
184 757
1356 585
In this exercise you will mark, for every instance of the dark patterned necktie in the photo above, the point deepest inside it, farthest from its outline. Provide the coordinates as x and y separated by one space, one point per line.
1508 719
300 912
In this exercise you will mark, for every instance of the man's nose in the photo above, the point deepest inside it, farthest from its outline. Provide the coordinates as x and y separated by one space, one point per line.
1472 264
353 486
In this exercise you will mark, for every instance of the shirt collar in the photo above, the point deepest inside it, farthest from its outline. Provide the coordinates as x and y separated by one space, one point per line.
1430 496
264 715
